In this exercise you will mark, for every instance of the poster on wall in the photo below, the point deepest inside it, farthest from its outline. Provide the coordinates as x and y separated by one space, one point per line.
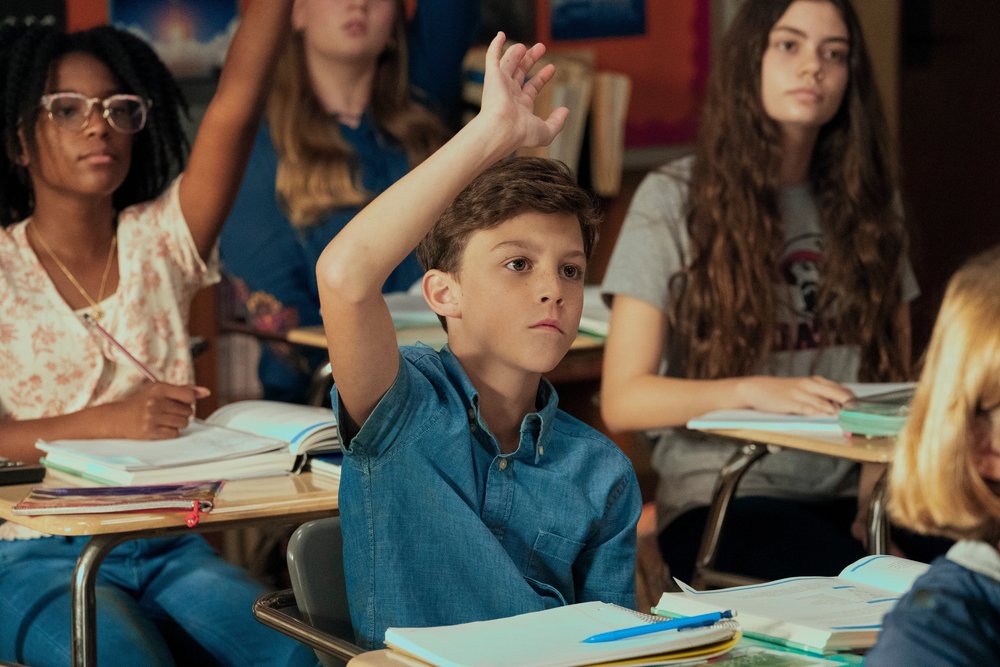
190 36
34 12
587 19
665 55
515 17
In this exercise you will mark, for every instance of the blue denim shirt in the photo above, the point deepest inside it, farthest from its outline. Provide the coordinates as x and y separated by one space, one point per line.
950 616
440 527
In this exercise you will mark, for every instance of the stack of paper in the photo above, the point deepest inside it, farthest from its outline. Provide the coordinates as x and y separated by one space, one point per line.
240 440
810 613
759 420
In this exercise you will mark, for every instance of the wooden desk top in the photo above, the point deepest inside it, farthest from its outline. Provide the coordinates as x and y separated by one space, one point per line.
240 501
432 335
582 363
862 450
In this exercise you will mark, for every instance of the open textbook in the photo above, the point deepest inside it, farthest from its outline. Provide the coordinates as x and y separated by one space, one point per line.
821 614
554 638
239 440
774 421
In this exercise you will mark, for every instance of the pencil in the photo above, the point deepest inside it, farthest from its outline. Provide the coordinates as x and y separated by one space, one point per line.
121 348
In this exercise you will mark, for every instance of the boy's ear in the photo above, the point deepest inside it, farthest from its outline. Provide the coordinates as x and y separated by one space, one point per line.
441 291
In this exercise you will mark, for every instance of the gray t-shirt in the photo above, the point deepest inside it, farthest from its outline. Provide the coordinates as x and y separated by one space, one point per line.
652 247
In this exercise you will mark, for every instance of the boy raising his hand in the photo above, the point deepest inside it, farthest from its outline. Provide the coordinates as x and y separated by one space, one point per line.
466 493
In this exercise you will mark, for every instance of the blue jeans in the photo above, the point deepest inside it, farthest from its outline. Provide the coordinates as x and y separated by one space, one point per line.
157 600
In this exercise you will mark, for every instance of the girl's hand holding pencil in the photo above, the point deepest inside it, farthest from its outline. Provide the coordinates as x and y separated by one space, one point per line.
157 410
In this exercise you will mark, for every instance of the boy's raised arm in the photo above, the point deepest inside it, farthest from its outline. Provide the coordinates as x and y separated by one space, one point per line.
354 266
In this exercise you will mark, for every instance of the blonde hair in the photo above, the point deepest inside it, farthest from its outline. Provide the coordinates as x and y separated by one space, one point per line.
317 168
934 484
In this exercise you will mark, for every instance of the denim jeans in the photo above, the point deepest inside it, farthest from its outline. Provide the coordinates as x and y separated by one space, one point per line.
157 600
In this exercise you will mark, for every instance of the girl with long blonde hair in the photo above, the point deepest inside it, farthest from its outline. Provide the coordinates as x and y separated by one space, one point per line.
945 480
357 102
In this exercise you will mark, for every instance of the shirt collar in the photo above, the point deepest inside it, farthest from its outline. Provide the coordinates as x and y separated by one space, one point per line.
535 427
976 556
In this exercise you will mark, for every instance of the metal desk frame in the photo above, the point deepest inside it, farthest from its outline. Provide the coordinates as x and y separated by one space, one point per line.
749 451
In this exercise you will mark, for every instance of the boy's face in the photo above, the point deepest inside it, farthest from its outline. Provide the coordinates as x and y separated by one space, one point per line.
520 292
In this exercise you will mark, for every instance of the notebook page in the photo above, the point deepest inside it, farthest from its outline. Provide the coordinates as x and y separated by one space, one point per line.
822 603
889 572
295 424
199 442
550 638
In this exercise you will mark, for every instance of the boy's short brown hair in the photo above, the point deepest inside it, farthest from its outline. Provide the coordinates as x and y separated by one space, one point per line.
513 186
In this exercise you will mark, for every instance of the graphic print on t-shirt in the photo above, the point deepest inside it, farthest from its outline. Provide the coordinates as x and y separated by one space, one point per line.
801 261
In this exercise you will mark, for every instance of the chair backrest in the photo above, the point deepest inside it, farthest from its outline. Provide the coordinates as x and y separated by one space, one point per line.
316 567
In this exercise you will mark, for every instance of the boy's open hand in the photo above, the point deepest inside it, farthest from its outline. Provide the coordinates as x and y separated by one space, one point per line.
509 99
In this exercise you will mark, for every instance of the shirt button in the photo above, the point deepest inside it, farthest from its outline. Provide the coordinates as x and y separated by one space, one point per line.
541 450
503 464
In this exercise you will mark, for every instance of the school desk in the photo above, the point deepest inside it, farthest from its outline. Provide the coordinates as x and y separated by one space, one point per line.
285 499
582 364
751 446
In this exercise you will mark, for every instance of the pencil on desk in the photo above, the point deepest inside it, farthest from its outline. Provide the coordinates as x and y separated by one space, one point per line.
121 348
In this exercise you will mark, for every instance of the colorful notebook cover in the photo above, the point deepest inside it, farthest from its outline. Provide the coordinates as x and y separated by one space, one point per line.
196 497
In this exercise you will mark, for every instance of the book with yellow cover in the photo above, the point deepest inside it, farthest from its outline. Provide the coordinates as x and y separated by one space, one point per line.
555 637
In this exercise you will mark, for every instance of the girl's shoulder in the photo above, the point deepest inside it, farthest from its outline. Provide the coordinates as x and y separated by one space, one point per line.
663 193
669 181
678 170
162 210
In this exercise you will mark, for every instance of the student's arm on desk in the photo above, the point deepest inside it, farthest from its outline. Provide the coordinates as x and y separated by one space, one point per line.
635 397
155 411
351 271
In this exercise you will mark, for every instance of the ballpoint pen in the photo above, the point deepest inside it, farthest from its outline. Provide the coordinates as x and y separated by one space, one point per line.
121 348
672 624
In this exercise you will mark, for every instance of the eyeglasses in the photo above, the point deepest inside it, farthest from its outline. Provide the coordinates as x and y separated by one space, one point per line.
71 111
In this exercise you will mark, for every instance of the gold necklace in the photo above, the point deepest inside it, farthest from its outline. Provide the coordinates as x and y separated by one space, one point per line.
95 309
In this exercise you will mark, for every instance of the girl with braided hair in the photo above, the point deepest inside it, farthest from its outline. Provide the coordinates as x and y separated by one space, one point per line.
762 273
95 224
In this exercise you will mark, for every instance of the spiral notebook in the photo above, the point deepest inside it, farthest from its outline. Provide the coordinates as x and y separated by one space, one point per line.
553 638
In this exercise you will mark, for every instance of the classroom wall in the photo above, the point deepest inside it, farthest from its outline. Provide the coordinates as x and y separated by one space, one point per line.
83 14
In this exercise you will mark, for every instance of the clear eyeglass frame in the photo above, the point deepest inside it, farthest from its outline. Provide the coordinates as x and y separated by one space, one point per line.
125 113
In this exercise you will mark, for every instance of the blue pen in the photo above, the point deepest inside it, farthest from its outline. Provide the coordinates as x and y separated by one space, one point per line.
672 624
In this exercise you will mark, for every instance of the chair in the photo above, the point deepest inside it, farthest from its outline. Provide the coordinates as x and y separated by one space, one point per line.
315 610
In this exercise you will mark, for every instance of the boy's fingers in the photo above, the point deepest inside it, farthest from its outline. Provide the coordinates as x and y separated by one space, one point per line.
511 59
495 49
535 84
531 56
556 120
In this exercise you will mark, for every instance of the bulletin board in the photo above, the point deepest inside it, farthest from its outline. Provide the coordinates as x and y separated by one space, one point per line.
668 64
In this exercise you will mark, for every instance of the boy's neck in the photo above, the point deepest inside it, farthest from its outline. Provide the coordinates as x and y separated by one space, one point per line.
506 395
